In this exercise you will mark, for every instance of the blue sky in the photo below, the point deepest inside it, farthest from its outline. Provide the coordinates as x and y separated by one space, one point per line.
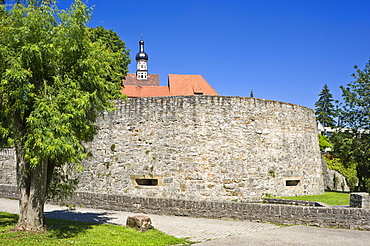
284 50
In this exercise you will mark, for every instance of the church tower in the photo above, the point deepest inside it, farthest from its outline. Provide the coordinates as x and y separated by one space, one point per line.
142 63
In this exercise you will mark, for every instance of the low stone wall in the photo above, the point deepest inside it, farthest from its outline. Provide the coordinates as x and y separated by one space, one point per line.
350 218
294 202
360 200
8 191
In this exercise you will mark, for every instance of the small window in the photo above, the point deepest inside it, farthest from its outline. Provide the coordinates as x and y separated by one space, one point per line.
295 181
292 182
147 182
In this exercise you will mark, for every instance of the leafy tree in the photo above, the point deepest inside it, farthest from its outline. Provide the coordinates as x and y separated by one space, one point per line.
324 108
23 1
352 145
114 44
251 94
324 142
53 86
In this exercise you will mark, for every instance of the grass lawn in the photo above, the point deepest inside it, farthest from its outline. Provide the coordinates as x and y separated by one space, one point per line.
64 232
329 197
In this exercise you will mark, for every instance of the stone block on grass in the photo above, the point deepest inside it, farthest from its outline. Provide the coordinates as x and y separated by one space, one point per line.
139 222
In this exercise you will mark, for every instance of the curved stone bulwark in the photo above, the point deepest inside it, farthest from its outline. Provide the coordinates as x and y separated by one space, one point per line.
205 148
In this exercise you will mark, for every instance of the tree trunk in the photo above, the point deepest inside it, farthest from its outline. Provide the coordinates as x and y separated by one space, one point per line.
31 183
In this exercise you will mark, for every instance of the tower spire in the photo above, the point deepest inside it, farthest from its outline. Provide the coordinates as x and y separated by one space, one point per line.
141 61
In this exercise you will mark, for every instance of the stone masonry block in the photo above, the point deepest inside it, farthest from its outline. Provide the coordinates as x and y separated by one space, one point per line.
360 200
139 222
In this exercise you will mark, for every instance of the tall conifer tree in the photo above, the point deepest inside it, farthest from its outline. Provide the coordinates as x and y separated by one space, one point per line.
324 108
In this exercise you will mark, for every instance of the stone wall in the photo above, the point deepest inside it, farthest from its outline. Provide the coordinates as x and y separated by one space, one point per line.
205 148
337 181
295 202
7 166
333 180
201 148
350 218
360 200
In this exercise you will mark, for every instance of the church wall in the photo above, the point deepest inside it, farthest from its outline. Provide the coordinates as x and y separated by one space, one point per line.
205 148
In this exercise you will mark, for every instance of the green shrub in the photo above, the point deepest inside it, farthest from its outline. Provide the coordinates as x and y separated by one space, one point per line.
348 172
324 142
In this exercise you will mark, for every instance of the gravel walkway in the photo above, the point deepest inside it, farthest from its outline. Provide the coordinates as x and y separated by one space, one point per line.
213 232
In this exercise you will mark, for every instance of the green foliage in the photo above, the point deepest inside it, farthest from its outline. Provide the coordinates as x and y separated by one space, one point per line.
55 81
352 149
114 44
324 108
329 197
352 146
335 182
355 113
63 232
272 173
324 142
348 171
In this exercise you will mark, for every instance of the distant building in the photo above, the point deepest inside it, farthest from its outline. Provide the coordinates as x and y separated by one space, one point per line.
325 130
328 131
143 84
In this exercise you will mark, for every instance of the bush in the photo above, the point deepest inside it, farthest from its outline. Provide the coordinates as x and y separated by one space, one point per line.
348 172
324 143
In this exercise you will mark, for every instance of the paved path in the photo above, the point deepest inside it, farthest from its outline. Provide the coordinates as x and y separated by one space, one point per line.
212 232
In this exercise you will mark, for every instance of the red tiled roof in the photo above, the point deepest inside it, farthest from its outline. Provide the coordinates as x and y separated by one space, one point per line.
178 85
145 91
186 85
153 80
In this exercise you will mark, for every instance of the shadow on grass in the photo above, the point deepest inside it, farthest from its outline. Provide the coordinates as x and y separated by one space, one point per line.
90 217
66 228
68 223
8 219
56 227
63 223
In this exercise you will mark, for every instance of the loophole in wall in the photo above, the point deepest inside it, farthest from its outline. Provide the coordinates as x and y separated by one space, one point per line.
292 182
147 182
295 181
